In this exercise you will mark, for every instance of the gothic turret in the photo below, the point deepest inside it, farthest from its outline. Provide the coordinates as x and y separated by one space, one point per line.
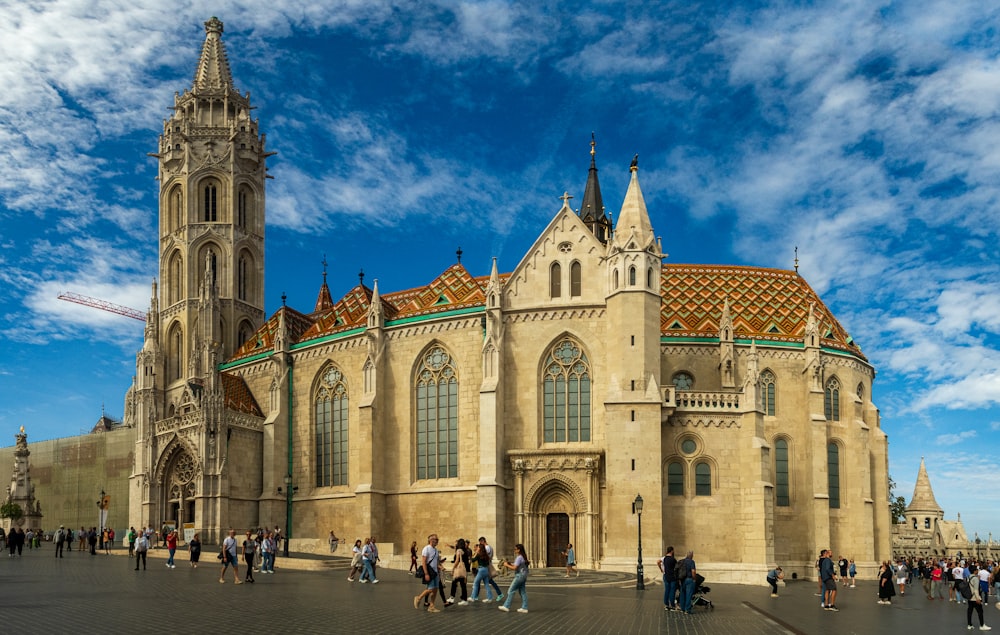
923 496
592 212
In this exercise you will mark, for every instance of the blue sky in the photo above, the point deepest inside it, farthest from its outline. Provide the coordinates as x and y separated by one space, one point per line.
867 134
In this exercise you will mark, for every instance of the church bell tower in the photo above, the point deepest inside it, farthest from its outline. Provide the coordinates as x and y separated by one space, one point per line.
211 172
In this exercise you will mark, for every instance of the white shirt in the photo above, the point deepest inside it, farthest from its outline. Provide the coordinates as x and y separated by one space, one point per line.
431 554
958 573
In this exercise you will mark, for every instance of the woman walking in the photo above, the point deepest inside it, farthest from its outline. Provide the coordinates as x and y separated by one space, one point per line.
459 572
520 569
975 601
885 587
249 549
482 558
355 560
194 549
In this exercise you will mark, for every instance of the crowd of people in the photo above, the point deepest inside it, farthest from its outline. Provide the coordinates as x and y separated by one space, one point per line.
467 559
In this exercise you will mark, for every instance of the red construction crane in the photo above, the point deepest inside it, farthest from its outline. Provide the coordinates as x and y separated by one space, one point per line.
103 305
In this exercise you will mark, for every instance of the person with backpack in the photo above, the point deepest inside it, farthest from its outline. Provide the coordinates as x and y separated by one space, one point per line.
668 564
968 588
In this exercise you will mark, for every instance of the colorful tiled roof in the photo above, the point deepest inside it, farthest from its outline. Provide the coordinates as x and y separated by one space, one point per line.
263 339
765 304
238 395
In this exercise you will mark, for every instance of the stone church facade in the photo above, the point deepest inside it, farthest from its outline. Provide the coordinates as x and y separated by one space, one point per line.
531 406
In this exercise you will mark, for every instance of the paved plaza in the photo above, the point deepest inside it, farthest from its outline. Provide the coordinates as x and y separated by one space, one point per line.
81 593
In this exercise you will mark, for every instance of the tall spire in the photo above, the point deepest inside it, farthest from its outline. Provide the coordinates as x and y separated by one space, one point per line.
592 211
633 220
323 301
923 495
213 71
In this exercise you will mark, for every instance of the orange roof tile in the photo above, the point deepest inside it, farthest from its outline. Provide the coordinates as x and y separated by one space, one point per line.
263 339
238 395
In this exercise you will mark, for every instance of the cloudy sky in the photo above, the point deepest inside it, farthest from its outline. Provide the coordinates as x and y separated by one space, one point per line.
866 134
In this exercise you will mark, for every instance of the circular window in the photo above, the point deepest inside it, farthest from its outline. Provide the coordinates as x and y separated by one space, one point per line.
683 381
688 446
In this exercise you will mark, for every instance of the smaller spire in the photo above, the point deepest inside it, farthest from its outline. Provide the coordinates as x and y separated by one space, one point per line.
213 72
923 496
284 298
458 254
633 220
796 258
592 211
361 277
324 300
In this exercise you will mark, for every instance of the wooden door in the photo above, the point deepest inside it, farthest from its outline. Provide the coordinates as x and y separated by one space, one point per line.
557 537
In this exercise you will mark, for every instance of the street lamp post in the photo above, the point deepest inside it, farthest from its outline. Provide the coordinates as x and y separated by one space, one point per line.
100 518
289 490
640 584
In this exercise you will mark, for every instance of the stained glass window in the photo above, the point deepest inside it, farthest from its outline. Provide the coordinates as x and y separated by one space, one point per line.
566 394
437 416
331 430
781 473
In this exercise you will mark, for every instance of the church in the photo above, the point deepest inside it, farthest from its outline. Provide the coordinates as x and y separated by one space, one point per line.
534 406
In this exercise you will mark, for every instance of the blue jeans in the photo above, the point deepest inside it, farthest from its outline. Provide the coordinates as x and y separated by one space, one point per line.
170 560
687 592
369 572
482 576
518 585
268 563
669 592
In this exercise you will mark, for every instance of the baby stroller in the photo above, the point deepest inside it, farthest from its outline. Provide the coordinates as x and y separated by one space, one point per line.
700 593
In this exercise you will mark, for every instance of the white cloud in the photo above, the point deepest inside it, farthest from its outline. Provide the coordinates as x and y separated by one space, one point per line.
954 438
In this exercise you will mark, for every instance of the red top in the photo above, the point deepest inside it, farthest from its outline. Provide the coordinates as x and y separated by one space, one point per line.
172 540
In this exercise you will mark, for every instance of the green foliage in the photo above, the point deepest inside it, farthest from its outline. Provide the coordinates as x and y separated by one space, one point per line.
11 510
897 504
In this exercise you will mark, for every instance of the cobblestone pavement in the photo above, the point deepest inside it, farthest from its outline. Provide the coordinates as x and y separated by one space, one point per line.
101 594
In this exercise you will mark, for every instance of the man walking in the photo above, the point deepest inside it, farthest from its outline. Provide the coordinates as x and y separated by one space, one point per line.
60 541
429 560
828 576
229 558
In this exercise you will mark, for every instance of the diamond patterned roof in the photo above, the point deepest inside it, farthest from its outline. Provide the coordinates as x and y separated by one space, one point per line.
263 339
238 395
766 304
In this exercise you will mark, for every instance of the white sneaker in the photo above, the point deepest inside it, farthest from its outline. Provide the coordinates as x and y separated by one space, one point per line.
463 603
984 627
375 581
522 610
504 609
364 582
487 601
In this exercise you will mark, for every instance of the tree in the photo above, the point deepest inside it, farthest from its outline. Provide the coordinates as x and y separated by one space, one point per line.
12 511
897 504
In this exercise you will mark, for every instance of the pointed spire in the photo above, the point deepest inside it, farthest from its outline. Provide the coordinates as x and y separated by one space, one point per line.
592 210
213 72
633 220
376 313
923 495
726 323
323 301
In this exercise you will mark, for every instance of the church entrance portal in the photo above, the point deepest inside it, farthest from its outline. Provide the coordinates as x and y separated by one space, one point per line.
556 539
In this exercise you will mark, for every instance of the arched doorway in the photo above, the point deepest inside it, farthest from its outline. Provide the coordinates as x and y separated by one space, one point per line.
556 539
180 491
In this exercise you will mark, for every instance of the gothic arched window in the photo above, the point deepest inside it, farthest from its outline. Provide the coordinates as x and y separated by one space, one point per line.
331 430
833 474
242 277
566 394
242 200
575 282
631 276
767 381
175 353
675 479
210 209
702 479
781 497
175 283
831 400
437 416
555 280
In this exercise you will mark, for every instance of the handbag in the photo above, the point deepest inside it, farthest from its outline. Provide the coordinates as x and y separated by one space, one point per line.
420 572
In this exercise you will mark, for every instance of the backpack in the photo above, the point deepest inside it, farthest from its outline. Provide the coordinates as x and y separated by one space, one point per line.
680 570
965 589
